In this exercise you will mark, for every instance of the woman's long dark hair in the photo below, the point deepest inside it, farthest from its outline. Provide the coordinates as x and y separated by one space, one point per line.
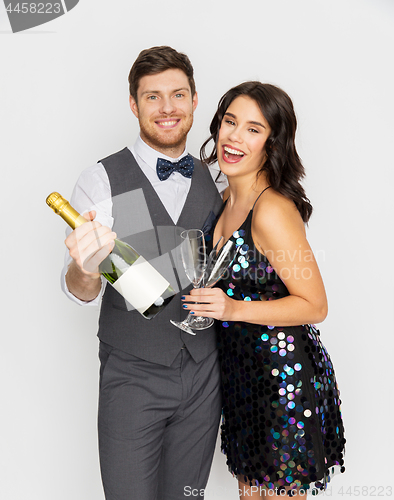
283 166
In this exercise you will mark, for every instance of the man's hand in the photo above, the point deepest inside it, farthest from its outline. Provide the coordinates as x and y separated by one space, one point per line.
88 245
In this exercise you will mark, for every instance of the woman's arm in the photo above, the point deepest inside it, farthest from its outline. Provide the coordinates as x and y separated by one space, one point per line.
278 232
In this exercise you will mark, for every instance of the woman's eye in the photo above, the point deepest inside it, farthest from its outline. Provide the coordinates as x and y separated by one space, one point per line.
230 122
254 130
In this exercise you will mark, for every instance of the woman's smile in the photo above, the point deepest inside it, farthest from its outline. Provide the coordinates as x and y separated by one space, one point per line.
231 154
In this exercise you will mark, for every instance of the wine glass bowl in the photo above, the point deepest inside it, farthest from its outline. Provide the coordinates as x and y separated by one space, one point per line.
193 255
219 262
203 271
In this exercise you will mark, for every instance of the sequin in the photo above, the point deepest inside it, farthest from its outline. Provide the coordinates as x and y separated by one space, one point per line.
240 241
244 249
236 267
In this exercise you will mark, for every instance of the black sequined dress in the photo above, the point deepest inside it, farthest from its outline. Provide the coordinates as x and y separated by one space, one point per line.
281 423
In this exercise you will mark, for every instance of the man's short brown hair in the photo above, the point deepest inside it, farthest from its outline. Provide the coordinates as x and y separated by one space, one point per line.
156 60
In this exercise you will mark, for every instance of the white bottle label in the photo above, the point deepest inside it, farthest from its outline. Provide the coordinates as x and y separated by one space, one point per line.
141 285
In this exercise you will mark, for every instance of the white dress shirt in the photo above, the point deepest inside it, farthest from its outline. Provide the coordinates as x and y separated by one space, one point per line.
93 192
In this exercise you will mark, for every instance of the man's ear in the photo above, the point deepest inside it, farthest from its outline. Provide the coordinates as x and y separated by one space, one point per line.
195 101
133 106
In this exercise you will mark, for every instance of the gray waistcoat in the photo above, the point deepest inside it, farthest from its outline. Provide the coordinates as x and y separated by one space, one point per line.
141 220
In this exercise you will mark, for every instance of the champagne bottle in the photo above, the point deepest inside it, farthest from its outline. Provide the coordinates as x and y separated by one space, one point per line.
127 271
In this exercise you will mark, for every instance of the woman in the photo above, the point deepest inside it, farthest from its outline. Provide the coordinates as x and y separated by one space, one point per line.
282 428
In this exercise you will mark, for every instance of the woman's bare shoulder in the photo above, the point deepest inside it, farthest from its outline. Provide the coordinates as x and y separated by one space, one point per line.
275 212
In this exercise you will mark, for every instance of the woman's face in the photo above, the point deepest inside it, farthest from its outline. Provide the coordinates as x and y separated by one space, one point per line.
242 137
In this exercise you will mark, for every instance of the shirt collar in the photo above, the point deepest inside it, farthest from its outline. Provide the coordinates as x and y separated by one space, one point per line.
150 155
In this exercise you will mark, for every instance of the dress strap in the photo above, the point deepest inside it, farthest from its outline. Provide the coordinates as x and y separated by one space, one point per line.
260 195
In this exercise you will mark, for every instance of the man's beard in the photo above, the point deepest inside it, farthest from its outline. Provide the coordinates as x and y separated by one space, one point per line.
165 140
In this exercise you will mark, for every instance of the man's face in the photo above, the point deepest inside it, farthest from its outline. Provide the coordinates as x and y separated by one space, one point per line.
164 110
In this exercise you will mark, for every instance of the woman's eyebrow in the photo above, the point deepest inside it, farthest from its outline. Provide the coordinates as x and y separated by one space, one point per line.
257 123
251 122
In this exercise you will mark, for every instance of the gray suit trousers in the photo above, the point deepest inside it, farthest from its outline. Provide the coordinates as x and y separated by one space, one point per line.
157 424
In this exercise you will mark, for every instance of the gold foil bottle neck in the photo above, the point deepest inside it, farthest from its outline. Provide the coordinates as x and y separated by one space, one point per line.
55 201
63 208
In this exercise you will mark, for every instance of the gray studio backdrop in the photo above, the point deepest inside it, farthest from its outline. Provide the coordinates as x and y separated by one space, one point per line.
64 105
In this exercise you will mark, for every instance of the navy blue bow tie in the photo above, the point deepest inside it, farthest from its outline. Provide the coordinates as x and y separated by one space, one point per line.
184 166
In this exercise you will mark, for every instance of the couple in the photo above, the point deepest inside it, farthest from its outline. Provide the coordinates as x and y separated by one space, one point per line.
161 390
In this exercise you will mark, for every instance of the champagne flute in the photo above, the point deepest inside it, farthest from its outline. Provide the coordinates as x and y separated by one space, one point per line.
194 259
214 268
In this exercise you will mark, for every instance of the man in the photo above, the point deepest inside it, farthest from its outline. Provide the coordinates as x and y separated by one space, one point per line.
159 405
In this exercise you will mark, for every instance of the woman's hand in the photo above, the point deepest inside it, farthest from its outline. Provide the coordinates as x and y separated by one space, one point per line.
213 303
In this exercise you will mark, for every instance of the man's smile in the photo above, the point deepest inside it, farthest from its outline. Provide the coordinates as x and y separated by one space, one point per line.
167 123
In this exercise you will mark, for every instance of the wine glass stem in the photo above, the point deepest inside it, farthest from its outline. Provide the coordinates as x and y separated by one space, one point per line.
191 317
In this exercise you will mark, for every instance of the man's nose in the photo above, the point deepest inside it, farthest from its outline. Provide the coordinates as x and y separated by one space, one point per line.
167 106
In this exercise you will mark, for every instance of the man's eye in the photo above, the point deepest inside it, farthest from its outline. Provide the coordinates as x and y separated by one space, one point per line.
178 95
152 97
